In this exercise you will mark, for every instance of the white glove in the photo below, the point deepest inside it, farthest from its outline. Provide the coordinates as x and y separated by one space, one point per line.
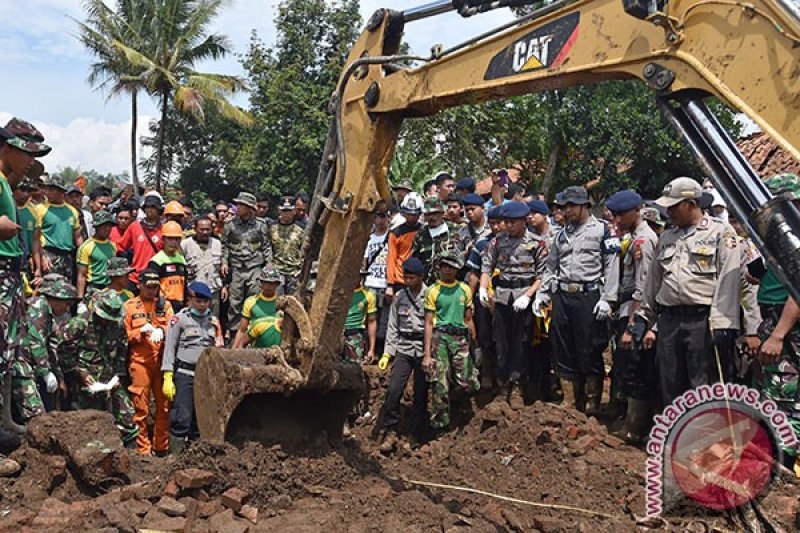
521 303
483 296
147 329
51 382
157 335
538 306
82 308
602 310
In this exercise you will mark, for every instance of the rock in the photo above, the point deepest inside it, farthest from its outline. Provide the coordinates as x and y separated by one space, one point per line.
250 513
225 522
572 432
380 490
194 478
88 440
172 489
121 517
234 498
171 507
207 509
494 513
546 524
584 444
593 426
58 471
170 523
198 494
54 515
514 521
612 441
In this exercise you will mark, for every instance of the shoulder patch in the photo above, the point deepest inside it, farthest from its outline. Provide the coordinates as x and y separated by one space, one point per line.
174 320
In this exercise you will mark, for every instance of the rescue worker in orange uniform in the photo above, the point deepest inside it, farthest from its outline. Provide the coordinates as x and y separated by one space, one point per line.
146 321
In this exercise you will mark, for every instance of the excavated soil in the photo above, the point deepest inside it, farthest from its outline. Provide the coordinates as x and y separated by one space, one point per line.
540 453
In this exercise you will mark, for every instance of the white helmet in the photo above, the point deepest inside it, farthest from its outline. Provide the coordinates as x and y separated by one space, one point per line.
411 204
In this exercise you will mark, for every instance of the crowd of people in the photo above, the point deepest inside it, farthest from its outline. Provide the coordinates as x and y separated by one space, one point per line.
108 298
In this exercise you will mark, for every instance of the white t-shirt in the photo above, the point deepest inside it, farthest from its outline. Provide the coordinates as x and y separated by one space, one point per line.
377 248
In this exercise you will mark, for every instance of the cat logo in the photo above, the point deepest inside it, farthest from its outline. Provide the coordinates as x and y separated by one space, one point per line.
545 47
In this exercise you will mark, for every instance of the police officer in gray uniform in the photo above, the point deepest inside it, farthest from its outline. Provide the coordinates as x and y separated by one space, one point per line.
193 329
693 290
581 277
404 337
246 247
632 374
519 256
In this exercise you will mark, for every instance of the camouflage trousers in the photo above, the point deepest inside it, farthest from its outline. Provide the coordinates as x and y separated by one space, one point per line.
354 347
12 308
779 382
61 263
26 399
116 402
453 369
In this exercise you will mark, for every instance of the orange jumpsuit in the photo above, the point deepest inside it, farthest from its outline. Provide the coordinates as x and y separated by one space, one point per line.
145 370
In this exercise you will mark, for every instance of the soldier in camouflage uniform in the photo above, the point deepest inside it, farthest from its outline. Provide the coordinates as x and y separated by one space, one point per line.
287 244
101 352
246 248
780 331
433 239
448 329
36 346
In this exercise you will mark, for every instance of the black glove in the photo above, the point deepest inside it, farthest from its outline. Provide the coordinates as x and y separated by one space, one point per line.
724 337
638 328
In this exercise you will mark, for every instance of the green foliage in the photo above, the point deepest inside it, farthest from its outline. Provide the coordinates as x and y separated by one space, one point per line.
291 87
202 202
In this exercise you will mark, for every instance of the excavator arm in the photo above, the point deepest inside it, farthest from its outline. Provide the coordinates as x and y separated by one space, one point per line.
745 53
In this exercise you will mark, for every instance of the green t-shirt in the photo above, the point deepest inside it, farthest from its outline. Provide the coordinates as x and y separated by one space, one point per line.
8 247
362 304
448 303
58 223
771 291
94 255
265 331
26 217
259 306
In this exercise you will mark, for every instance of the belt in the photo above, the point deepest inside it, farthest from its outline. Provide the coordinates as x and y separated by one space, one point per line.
183 365
513 283
578 286
684 310
58 251
11 263
354 331
412 336
452 330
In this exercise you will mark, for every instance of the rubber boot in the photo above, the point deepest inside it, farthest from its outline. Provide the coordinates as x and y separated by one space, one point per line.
9 441
594 392
637 421
514 396
389 442
569 390
176 445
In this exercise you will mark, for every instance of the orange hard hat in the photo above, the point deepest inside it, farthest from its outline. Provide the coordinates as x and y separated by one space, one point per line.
173 208
171 229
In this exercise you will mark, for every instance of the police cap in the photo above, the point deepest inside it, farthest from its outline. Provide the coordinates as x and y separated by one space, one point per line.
472 199
413 265
538 206
514 209
623 201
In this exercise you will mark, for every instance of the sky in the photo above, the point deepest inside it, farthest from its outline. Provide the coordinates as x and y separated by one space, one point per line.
46 69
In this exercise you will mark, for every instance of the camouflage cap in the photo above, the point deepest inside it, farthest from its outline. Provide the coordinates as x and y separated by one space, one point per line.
35 171
651 214
49 279
404 184
270 274
60 290
118 266
58 182
24 136
27 184
783 183
433 205
108 305
245 198
451 258
102 217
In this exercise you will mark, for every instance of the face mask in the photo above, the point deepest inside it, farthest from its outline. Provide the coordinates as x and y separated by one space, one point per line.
195 312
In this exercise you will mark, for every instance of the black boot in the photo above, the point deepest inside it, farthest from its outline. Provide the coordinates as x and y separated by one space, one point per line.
9 441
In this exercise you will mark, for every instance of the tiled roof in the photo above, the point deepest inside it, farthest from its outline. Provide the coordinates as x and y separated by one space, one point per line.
766 156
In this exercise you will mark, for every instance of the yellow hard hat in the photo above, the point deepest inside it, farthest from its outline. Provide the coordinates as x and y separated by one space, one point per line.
173 208
171 229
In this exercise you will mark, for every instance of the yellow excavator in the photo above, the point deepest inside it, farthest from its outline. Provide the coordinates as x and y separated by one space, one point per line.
746 53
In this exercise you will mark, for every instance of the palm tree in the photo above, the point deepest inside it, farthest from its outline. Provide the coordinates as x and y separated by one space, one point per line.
111 71
177 39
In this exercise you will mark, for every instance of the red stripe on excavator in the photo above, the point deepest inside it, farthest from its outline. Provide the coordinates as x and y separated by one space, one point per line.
562 55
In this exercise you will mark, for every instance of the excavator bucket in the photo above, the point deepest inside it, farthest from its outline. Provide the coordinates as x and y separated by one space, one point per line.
280 394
